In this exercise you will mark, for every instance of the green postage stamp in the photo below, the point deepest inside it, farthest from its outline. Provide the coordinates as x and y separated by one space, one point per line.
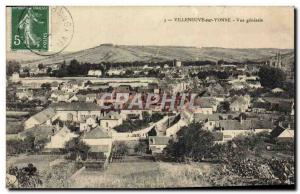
30 28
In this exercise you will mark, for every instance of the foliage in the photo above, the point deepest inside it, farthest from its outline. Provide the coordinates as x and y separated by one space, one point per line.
152 132
28 177
142 147
19 146
217 74
121 148
11 67
46 86
193 143
40 66
224 107
284 170
59 176
271 77
253 142
152 118
135 125
76 149
74 68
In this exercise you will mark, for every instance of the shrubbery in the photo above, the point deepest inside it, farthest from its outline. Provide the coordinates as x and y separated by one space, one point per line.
27 177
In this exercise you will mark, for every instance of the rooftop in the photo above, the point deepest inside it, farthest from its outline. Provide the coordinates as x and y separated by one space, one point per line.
97 133
75 106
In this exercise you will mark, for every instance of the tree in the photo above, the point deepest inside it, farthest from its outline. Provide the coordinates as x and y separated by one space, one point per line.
193 143
76 149
156 117
20 146
152 132
73 68
46 86
142 147
28 177
271 77
121 148
224 107
11 67
49 70
40 66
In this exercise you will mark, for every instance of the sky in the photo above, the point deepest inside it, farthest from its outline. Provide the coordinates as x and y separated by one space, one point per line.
146 26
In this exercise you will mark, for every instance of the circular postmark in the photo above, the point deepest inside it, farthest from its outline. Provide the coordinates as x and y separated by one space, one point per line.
46 35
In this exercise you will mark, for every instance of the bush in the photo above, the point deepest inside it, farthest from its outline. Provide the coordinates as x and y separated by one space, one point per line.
19 146
142 147
193 143
121 148
76 149
271 77
28 177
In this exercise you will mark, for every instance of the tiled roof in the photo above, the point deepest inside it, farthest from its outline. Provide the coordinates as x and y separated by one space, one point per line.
44 115
39 132
75 106
245 124
238 100
96 133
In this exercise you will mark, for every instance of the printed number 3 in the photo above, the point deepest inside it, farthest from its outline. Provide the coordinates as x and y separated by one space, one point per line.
17 40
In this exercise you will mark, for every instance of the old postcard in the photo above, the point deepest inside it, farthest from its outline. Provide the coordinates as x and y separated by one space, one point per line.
150 97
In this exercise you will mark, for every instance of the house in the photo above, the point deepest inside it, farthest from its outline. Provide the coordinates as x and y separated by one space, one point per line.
76 111
260 107
24 94
40 133
44 117
73 98
216 90
233 128
60 96
175 127
91 97
88 123
54 85
111 72
238 86
158 143
254 84
134 113
277 90
240 103
111 120
15 77
58 140
282 133
209 120
122 89
204 105
281 104
96 73
72 86
99 141
177 86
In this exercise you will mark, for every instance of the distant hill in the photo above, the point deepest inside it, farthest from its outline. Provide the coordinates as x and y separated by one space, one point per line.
23 56
124 53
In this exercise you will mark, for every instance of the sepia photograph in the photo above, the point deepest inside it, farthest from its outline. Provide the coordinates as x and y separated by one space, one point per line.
150 97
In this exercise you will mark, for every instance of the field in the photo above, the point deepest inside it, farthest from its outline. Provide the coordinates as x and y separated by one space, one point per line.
144 174
123 53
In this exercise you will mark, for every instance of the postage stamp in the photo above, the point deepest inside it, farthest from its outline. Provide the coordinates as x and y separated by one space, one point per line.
30 28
